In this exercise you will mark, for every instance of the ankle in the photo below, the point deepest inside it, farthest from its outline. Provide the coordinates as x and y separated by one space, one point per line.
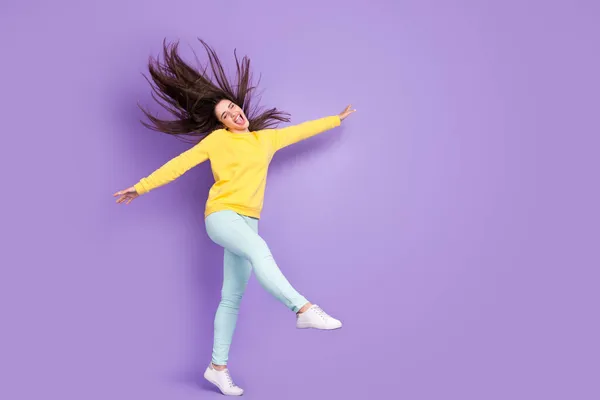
304 308
219 367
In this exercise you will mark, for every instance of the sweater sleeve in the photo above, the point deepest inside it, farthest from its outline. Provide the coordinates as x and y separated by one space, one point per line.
174 168
284 137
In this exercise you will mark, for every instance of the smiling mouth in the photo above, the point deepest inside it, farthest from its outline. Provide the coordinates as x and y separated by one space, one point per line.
239 120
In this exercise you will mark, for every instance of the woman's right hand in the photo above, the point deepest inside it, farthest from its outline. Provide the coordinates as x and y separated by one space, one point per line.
126 195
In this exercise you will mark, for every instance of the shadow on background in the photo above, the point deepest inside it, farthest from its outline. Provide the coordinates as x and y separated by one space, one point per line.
203 273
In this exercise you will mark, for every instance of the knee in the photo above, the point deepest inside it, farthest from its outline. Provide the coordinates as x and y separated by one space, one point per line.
259 254
231 300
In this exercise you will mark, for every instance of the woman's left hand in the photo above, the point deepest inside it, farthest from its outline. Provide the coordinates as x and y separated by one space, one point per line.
347 111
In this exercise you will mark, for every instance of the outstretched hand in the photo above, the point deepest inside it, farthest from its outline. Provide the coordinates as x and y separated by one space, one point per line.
126 195
347 111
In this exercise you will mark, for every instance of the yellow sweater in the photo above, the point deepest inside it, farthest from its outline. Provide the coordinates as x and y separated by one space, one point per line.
239 163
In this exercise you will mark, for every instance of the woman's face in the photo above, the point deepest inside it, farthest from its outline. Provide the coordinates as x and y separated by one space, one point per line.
232 116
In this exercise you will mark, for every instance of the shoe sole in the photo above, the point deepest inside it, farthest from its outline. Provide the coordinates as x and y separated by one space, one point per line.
219 387
319 328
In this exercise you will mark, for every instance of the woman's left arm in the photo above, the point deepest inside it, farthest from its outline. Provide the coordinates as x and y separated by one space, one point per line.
292 134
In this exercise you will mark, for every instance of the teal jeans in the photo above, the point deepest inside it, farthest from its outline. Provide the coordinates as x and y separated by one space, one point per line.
245 251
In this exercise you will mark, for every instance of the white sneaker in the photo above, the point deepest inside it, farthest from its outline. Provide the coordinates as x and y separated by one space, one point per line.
316 318
222 380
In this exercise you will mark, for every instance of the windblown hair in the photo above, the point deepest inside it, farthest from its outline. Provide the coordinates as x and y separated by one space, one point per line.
191 95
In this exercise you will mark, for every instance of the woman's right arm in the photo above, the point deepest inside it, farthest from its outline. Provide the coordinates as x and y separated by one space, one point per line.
165 174
173 169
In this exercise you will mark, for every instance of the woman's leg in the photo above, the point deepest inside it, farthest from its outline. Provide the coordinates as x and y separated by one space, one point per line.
236 272
239 235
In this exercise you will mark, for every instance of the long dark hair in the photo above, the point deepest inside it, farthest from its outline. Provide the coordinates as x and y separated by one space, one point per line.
191 95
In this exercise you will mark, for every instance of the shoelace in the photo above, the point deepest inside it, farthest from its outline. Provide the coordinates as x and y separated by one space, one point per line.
321 313
229 379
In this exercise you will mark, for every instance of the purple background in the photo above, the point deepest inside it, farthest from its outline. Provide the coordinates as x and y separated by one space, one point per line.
450 223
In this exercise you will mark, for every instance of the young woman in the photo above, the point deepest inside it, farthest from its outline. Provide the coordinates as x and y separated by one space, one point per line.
240 141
